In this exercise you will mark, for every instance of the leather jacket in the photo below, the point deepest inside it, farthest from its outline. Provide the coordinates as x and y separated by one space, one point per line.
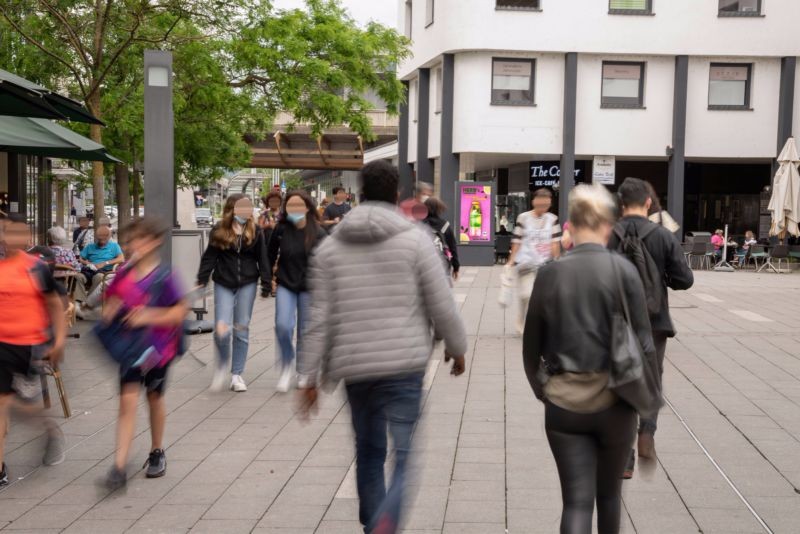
568 328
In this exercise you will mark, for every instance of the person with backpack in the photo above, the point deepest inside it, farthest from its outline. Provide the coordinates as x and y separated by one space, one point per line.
444 239
537 242
658 258
145 307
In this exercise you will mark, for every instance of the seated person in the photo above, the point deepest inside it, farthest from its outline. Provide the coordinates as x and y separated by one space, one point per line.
749 240
83 235
718 241
62 249
100 256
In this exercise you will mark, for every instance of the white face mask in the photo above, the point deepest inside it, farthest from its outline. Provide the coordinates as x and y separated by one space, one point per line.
424 198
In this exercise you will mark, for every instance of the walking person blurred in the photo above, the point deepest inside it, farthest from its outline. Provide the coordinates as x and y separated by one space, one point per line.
379 293
237 257
444 239
414 208
145 303
537 242
662 265
336 210
567 354
290 247
268 220
32 330
82 235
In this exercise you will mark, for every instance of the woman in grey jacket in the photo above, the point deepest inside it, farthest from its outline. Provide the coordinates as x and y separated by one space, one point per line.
566 348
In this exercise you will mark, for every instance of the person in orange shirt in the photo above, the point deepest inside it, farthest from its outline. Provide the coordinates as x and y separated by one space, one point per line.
32 329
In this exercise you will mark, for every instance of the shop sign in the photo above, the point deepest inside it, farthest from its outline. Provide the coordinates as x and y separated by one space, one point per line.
475 201
603 170
547 174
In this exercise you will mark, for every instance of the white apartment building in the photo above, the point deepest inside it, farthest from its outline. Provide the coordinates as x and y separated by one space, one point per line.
695 96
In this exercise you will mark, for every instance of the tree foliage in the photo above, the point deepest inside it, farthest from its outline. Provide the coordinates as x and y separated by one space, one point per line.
237 63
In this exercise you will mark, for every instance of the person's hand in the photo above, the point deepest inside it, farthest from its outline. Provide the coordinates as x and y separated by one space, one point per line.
274 286
455 276
337 220
139 317
55 354
538 390
307 402
264 293
459 364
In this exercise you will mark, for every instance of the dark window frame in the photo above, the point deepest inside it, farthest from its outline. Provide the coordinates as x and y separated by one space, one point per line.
647 12
747 88
530 104
430 10
642 73
519 8
757 13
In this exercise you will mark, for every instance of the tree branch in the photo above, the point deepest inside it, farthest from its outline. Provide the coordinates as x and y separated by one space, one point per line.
44 49
124 46
72 35
250 79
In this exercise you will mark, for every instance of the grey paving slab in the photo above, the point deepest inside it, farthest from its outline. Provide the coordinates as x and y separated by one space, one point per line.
246 463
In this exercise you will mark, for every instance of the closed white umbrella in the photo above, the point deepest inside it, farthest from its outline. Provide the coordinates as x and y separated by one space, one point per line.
785 201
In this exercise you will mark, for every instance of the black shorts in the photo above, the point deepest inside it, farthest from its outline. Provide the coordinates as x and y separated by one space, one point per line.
14 360
154 380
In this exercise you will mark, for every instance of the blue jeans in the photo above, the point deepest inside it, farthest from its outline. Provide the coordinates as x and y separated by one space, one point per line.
376 404
291 309
233 307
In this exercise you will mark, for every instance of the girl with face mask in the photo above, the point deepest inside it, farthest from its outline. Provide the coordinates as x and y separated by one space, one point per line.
237 257
297 233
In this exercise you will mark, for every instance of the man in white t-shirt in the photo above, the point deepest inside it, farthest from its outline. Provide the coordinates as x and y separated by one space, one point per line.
536 242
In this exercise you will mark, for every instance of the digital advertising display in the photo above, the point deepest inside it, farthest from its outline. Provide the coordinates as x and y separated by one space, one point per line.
475 215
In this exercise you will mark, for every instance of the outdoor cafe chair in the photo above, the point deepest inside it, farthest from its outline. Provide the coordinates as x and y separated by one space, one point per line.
687 253
756 253
794 252
502 248
700 250
779 253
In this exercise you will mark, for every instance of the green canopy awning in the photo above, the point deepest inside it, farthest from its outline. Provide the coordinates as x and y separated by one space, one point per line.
22 98
41 137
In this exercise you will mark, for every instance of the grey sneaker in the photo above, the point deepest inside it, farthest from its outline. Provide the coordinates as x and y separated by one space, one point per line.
55 452
116 479
156 464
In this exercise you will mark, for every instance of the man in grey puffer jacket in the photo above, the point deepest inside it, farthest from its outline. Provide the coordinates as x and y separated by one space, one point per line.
378 293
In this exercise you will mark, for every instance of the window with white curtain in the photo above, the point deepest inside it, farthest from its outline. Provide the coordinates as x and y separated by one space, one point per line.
729 86
630 7
623 84
512 81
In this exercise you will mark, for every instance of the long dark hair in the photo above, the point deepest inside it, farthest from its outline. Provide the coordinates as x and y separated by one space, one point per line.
223 235
312 216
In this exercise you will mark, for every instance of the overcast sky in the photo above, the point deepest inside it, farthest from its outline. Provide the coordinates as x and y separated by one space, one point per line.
383 11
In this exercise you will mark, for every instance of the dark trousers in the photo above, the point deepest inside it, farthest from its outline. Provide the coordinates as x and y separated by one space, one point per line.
376 405
660 341
590 452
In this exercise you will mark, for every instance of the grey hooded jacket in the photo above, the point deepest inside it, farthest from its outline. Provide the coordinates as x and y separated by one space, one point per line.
377 287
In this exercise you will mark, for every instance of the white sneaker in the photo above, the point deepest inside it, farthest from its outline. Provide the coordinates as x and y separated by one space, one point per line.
237 384
302 381
285 381
218 382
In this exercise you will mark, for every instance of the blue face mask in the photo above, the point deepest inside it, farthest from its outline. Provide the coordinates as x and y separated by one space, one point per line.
296 218
239 219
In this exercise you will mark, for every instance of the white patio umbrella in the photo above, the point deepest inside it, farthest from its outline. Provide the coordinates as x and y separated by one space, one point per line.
785 201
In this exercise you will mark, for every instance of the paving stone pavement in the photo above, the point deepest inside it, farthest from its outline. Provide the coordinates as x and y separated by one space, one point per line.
728 442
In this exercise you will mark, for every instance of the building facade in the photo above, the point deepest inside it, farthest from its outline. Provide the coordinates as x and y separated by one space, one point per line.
696 96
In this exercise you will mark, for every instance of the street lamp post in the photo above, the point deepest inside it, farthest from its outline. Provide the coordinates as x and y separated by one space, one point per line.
159 172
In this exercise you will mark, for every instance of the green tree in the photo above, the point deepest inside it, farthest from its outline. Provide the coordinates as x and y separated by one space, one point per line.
237 63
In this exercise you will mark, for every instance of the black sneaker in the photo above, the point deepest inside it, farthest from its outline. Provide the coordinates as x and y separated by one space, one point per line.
156 464
4 476
116 479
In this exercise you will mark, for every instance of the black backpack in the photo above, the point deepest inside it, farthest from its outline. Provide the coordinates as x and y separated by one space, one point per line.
441 243
631 245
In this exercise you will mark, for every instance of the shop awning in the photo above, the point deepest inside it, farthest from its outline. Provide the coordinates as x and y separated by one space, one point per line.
41 137
22 98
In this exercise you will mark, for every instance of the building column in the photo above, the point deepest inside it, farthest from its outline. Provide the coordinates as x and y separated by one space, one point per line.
567 179
406 185
424 165
786 101
677 160
449 161
16 184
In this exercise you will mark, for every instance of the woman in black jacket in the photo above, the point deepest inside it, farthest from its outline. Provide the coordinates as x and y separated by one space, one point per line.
444 237
566 351
237 255
295 236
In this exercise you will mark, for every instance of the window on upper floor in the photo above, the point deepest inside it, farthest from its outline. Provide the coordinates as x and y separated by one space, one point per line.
623 85
513 81
630 7
729 86
429 7
439 86
740 8
519 4
409 13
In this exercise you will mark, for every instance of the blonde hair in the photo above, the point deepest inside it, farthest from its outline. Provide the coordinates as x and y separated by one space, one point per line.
223 235
591 206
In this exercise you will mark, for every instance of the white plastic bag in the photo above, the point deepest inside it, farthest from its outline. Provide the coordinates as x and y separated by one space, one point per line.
507 282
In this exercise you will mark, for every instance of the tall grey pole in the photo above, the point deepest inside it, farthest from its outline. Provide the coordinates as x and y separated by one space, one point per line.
159 172
677 161
567 178
406 181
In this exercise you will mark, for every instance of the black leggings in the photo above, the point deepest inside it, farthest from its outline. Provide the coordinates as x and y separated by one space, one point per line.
590 451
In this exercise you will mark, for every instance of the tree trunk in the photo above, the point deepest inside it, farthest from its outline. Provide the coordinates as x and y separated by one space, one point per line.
136 192
122 177
98 179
